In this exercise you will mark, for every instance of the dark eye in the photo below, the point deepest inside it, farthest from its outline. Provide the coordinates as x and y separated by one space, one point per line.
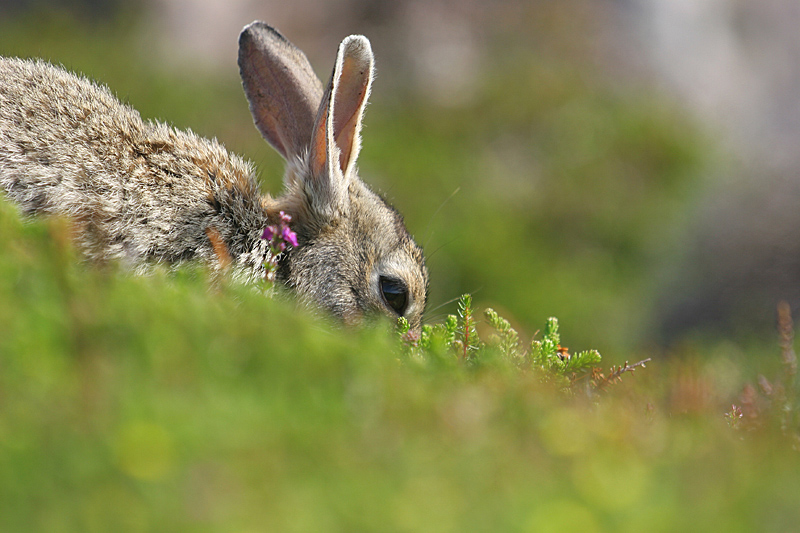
395 294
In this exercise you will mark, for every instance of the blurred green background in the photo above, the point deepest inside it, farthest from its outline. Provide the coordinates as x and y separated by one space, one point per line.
550 158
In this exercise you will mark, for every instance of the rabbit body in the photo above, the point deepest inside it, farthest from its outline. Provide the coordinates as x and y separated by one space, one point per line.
141 192
138 191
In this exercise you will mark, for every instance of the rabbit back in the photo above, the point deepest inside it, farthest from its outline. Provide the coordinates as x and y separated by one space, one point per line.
137 190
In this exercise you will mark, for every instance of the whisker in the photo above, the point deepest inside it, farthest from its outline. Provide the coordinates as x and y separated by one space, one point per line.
387 193
433 216
435 319
440 247
448 302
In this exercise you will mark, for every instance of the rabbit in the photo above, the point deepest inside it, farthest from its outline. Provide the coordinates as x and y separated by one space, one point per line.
144 193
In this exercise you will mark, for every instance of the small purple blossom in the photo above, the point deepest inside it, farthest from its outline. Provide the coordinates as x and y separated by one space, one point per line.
289 236
277 237
282 230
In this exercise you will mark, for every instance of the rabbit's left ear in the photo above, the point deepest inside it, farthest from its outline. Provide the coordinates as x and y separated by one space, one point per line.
336 137
282 89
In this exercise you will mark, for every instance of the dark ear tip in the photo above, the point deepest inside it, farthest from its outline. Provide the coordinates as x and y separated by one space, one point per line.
258 29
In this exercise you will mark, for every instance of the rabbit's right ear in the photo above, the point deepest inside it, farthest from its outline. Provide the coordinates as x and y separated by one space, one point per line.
336 138
282 89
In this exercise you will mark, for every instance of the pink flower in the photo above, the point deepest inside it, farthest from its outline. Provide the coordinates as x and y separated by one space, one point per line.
281 234
289 236
277 237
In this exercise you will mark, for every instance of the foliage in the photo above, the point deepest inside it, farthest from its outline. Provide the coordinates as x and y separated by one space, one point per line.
155 403
457 338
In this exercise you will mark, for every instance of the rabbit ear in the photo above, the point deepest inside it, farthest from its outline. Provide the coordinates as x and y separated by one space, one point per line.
336 139
283 91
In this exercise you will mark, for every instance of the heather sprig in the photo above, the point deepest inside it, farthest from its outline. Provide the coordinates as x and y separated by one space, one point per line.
468 341
506 336
278 237
458 340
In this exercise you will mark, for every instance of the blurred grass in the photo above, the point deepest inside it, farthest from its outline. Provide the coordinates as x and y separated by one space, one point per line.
174 403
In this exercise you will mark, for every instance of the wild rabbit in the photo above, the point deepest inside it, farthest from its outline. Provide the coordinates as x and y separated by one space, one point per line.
142 192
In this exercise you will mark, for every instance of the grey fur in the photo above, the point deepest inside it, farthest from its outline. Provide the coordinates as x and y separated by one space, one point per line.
142 192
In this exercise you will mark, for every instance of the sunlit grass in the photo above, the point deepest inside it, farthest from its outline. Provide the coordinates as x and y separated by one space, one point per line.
178 402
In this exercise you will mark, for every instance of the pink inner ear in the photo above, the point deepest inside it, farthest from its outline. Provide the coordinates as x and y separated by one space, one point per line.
346 141
350 94
319 151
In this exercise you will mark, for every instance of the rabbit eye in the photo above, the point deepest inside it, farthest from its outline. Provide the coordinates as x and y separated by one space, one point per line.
394 294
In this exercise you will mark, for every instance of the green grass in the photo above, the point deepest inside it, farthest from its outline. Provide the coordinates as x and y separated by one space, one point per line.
175 402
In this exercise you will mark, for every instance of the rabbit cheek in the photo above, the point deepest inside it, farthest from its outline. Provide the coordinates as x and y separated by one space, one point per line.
352 317
322 276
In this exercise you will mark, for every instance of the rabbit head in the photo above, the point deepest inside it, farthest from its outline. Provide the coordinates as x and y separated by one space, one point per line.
354 255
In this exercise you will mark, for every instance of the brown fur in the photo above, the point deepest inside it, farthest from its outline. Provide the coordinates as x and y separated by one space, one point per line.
142 192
